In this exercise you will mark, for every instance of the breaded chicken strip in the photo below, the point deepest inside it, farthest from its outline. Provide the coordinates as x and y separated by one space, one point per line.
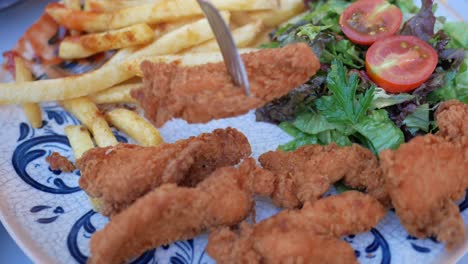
307 173
291 246
309 235
170 213
452 120
424 177
117 176
202 93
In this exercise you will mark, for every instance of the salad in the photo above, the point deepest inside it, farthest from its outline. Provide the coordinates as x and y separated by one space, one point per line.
382 74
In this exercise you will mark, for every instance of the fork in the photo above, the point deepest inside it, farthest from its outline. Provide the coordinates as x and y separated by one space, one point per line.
231 57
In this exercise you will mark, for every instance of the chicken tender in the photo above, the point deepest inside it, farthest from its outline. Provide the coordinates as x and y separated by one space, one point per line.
292 246
307 173
452 120
202 93
170 213
424 177
117 176
309 235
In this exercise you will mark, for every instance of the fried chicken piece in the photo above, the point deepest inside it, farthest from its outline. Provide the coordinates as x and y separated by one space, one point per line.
307 173
118 175
423 178
170 213
452 120
309 235
59 162
292 246
202 93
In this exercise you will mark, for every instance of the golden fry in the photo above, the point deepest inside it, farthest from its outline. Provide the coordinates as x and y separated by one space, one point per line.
32 110
87 45
271 18
112 73
114 5
88 113
243 37
69 87
163 11
135 126
79 139
186 59
117 94
75 5
182 38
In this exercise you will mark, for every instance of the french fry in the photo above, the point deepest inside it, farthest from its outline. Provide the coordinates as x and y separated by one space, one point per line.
79 139
90 44
117 94
113 5
111 73
163 11
163 28
243 37
70 87
75 5
182 38
135 126
88 113
187 59
271 18
32 110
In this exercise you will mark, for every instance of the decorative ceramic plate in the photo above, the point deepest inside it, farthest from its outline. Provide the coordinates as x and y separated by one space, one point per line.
52 220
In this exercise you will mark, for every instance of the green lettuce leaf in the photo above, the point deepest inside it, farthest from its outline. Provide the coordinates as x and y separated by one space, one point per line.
419 119
382 99
314 123
334 136
455 87
345 51
458 32
299 142
380 131
290 129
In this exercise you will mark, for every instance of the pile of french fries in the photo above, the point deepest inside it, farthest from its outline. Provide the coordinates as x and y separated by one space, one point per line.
154 30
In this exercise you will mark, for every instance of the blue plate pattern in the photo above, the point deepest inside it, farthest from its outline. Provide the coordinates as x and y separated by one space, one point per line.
387 243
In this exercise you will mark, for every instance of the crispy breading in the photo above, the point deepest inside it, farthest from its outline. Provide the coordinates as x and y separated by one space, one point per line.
307 173
452 120
118 175
202 93
310 235
58 162
424 177
292 246
170 213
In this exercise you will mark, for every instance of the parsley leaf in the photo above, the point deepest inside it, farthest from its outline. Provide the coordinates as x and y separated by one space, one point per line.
343 105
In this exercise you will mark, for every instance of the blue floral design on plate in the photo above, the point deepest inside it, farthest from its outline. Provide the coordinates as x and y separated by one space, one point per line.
30 165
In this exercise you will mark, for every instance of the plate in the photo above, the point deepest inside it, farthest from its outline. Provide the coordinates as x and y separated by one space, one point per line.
52 220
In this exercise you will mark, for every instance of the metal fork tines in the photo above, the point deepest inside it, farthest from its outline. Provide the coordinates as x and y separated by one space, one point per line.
232 59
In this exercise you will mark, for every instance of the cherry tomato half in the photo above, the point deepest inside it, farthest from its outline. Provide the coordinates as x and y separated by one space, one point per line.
400 63
366 21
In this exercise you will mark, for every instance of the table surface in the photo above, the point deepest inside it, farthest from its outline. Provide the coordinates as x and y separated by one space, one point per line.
19 18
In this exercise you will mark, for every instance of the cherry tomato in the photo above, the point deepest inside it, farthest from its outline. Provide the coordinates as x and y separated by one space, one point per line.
400 63
366 21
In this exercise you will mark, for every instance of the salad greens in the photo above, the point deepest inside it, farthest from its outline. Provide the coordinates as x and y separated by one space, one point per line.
342 116
341 104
